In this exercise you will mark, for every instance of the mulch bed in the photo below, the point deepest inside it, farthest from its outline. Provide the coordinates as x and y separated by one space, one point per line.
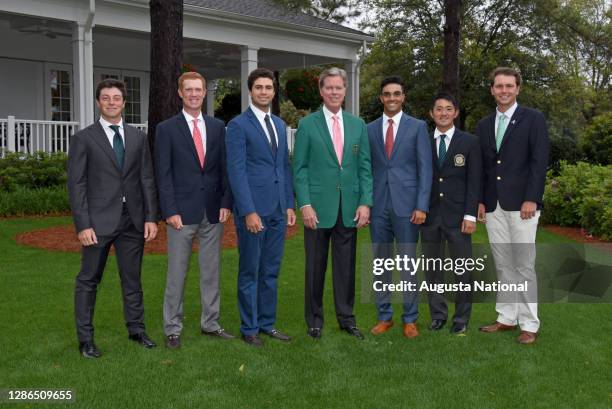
580 235
63 238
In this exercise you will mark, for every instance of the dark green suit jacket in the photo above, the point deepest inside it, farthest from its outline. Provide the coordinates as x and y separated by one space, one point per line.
320 181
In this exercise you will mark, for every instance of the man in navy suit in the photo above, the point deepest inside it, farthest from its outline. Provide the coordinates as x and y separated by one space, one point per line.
260 177
453 208
195 199
515 147
402 169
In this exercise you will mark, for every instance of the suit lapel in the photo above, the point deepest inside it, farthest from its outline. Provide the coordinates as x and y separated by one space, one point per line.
324 133
130 146
402 130
379 142
514 122
182 125
257 125
452 147
492 130
99 136
281 137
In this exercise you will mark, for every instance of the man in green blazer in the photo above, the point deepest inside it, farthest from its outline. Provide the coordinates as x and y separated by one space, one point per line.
333 185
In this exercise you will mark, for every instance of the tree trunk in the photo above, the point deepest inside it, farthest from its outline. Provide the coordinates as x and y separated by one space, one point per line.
166 61
451 46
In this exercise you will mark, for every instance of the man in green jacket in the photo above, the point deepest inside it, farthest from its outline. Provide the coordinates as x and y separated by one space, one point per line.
333 185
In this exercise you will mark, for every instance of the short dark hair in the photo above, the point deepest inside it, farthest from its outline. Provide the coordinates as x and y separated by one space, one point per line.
260 73
394 79
505 71
111 83
446 96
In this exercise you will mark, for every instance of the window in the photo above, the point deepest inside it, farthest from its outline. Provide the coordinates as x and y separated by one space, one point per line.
60 95
132 101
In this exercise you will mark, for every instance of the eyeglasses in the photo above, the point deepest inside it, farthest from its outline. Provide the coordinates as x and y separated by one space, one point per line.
395 94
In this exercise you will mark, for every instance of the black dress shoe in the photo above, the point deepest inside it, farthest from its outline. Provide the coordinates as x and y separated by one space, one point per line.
221 333
173 341
253 340
277 335
354 331
314 333
458 328
437 325
142 339
89 350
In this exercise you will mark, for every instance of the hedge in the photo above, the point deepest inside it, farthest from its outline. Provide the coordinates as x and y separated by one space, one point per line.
580 195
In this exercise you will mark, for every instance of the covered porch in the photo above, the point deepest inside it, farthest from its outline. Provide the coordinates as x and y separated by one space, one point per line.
54 52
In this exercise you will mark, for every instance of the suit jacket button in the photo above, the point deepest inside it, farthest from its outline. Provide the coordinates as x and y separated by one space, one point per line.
499 178
441 194
499 162
441 179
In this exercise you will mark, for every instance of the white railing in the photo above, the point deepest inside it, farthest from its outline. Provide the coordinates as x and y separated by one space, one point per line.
31 135
290 138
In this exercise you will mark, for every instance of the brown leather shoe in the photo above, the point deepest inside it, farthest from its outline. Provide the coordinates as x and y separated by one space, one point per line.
527 337
410 330
497 327
381 327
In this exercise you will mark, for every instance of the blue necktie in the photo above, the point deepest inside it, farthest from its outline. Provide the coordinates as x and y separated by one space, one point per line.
441 151
272 135
118 146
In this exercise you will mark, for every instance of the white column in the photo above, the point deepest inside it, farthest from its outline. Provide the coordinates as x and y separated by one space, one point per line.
248 62
352 89
82 68
211 86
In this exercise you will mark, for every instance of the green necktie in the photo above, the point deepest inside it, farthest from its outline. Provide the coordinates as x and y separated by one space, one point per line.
118 146
501 130
441 151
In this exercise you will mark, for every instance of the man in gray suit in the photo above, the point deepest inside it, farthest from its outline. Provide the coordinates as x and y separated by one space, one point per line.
114 202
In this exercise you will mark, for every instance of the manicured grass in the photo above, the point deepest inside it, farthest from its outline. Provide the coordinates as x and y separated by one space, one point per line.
569 367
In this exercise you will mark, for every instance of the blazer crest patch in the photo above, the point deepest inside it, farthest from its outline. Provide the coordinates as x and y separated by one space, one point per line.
355 149
459 160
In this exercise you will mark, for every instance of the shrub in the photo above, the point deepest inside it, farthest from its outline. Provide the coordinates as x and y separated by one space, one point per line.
38 170
302 88
23 201
290 114
563 148
596 141
580 195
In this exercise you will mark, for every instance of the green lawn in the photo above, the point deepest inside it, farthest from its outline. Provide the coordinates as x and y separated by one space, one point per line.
569 367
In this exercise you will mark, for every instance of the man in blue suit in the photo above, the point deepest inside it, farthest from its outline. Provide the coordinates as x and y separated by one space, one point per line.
260 178
195 199
402 170
515 147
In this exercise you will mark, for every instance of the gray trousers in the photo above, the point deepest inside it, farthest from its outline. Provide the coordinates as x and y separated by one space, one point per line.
209 259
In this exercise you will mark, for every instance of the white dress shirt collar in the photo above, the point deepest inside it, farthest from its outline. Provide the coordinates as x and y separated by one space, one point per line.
110 134
328 114
509 112
449 134
396 119
190 118
261 115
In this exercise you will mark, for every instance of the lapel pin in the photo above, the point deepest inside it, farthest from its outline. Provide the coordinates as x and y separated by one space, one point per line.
513 121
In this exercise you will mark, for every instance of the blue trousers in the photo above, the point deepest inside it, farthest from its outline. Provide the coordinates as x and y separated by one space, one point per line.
393 235
259 265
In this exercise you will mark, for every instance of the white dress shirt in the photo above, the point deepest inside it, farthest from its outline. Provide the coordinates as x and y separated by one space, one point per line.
447 140
201 126
509 112
261 117
385 124
110 134
330 123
